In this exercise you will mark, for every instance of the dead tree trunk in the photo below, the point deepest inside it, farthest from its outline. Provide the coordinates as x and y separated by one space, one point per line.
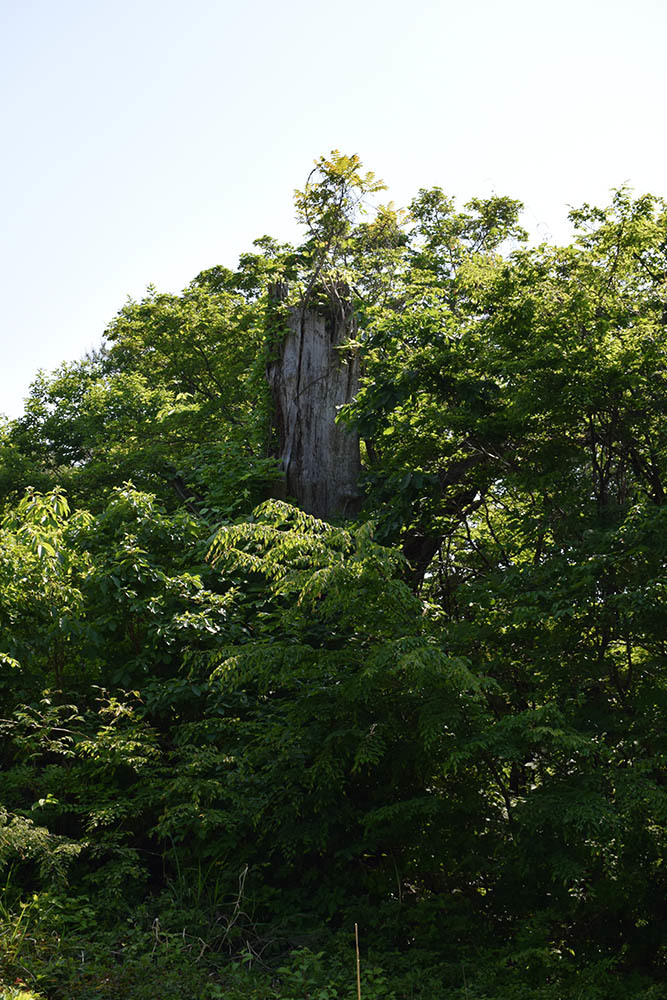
310 378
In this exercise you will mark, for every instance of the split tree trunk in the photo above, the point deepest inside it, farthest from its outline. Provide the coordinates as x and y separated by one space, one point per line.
310 380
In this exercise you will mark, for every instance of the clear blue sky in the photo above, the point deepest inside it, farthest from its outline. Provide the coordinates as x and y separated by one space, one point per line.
144 141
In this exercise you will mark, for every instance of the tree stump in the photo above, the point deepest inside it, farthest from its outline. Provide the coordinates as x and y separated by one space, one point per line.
310 379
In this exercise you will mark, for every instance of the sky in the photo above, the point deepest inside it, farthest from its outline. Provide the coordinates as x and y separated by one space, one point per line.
146 140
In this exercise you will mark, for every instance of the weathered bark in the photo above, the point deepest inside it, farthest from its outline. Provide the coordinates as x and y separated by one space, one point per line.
310 378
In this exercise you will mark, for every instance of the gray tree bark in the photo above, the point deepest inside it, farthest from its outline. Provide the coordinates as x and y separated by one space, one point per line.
310 380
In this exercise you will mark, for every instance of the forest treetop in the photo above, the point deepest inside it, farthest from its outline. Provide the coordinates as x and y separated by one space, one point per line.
481 357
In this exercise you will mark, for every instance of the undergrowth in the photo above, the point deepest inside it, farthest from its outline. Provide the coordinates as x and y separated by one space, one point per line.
56 948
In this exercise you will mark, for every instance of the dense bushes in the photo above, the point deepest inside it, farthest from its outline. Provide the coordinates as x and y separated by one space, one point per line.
231 731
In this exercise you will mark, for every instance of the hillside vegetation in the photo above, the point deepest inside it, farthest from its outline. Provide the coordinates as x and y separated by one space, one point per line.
231 729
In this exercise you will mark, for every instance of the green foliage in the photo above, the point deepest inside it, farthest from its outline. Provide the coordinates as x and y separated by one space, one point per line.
175 401
328 206
230 731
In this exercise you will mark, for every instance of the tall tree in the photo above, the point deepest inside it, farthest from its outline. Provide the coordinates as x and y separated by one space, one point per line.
313 370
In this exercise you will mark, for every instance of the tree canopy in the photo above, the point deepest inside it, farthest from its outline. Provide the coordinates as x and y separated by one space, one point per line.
232 729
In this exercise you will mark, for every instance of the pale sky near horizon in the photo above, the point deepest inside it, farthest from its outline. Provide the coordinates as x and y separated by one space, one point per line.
147 140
